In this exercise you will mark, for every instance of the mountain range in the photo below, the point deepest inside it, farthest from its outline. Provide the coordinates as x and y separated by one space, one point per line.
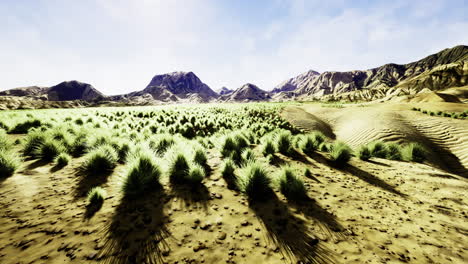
445 69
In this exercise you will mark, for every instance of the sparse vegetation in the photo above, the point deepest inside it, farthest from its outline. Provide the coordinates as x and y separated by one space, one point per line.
62 160
255 182
340 153
143 174
100 160
364 153
378 149
9 163
455 115
96 196
414 152
291 185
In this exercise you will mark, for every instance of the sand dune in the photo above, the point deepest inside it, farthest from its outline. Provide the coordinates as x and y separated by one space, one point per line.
445 138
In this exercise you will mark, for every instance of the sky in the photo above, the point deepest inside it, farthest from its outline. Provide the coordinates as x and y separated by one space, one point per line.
119 45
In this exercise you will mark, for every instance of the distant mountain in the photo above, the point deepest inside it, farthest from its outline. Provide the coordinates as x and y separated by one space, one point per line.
64 91
293 83
73 90
173 87
225 91
246 93
25 91
445 69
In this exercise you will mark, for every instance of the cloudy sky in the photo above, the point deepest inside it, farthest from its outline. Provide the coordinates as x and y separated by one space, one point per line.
118 45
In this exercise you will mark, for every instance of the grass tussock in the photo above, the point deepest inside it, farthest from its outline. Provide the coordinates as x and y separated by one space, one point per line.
143 174
9 163
62 160
178 168
414 152
284 142
291 185
364 153
100 160
394 151
49 149
340 153
255 182
378 149
96 196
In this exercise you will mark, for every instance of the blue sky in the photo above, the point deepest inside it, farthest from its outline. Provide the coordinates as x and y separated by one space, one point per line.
118 45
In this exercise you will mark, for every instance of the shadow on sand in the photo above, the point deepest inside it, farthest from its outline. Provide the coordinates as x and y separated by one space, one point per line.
137 231
326 221
290 233
87 181
361 174
192 194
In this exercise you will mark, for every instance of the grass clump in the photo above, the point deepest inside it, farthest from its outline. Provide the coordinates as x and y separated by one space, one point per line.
414 152
48 150
291 186
200 158
62 160
9 163
364 153
394 151
96 196
378 149
33 140
178 168
23 128
340 153
312 142
102 159
283 142
228 173
196 174
5 143
143 174
268 148
255 182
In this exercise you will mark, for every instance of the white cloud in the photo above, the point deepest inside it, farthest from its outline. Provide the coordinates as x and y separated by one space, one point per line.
118 45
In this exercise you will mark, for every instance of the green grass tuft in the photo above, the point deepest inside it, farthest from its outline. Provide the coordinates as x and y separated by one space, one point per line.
96 196
49 149
9 163
283 142
178 168
414 152
100 160
255 182
378 149
394 151
143 174
291 186
364 153
340 153
62 160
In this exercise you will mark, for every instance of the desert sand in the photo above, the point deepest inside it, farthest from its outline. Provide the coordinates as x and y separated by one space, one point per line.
379 211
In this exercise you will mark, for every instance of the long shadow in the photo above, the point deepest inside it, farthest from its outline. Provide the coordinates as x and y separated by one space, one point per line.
378 163
371 179
137 232
87 181
92 209
361 174
192 194
327 221
36 164
290 233
297 156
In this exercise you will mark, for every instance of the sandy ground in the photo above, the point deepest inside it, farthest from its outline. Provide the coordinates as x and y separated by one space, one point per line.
367 212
